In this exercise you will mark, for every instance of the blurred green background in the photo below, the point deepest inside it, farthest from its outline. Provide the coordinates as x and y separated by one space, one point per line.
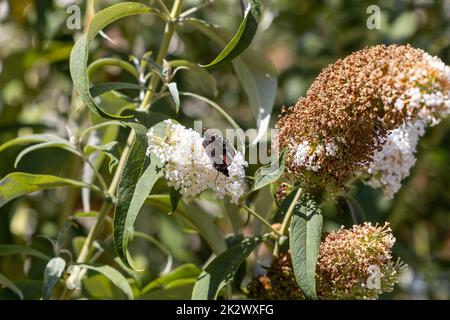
299 37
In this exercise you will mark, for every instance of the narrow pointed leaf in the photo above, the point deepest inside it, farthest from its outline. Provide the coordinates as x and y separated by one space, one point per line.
256 74
52 274
175 95
10 249
136 182
243 37
130 202
115 276
258 78
34 138
99 63
354 208
101 88
111 149
304 241
270 173
17 184
63 145
175 198
183 272
202 77
80 52
4 281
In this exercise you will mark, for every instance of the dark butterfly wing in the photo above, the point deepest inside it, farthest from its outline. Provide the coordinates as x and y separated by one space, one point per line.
220 151
229 152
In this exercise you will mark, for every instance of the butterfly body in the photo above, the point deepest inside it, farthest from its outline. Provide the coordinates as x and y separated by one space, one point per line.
219 150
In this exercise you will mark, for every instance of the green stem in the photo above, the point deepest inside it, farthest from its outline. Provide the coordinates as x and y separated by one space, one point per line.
284 230
84 253
90 12
260 218
163 6
145 105
165 43
72 116
195 9
287 217
97 174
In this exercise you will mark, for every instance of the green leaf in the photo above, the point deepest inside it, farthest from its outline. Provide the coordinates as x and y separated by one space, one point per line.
244 36
111 149
257 75
115 276
173 89
100 125
34 138
270 173
136 182
4 281
175 198
204 79
186 271
99 287
80 51
101 88
231 240
223 268
176 290
99 63
42 140
17 184
304 240
83 214
404 26
10 249
52 273
155 67
63 145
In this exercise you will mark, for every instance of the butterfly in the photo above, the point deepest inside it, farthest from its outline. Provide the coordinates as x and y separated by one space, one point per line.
219 150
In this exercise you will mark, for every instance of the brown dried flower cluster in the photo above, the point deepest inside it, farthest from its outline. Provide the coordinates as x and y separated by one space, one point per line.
347 260
333 132
278 283
348 257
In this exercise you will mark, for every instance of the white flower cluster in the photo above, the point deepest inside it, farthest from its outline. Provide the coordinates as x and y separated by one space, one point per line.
190 170
307 157
438 65
393 163
423 106
429 106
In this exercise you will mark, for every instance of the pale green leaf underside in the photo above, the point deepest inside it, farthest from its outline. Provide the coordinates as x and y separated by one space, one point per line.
136 182
304 240
17 184
270 173
52 273
115 276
